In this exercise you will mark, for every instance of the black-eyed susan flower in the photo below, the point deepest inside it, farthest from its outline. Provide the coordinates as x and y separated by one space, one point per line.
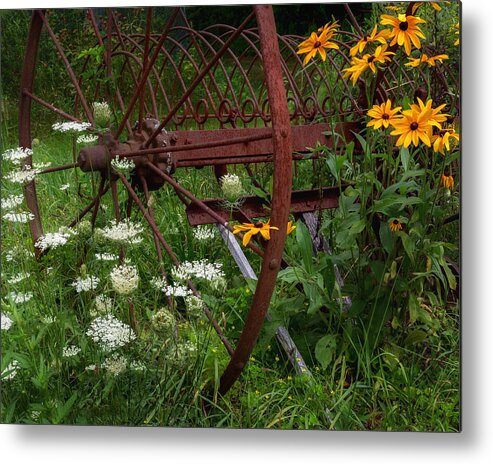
360 65
316 44
457 32
435 116
380 36
290 227
395 225
413 126
383 115
429 60
447 182
441 140
331 28
405 30
250 230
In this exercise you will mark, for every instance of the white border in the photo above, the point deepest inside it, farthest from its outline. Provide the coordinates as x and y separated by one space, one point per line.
40 444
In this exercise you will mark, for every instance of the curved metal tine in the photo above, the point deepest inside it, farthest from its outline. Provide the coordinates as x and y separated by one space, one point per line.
176 262
200 204
99 38
95 211
198 78
68 67
116 206
144 65
145 74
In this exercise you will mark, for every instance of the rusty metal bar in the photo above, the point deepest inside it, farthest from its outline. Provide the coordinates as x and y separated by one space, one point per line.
302 201
88 207
144 65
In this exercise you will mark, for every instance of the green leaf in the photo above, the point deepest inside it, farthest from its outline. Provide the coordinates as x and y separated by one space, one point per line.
325 349
386 238
362 141
357 307
405 156
416 336
305 244
409 246
413 308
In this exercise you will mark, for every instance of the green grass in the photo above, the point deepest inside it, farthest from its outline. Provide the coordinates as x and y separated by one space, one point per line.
396 387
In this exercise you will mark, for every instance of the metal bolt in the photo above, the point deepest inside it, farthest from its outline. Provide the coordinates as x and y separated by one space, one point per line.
274 263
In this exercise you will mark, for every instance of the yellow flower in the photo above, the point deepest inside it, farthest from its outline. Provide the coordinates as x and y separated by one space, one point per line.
290 227
405 30
383 115
375 36
424 58
457 32
254 229
360 65
448 182
316 43
441 140
331 28
395 225
435 6
413 126
435 117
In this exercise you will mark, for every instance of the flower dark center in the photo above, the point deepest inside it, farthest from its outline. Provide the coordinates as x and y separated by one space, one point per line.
404 26
365 38
385 116
414 125
317 44
370 59
395 222
259 225
442 133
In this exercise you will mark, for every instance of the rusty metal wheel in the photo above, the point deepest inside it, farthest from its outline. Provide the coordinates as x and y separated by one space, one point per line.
152 149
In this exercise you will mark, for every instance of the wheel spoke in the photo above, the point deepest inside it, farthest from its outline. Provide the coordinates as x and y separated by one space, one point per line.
144 64
68 67
62 167
50 106
176 262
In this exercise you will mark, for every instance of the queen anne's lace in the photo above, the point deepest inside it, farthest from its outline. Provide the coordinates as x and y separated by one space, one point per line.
123 232
110 333
19 297
22 176
125 279
22 217
12 201
71 126
16 155
5 321
85 284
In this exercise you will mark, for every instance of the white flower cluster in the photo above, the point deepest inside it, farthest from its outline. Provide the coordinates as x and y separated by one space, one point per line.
16 278
19 297
70 126
124 278
48 319
176 290
54 239
103 304
106 257
70 351
122 165
115 365
64 187
41 166
18 253
164 321
22 176
110 333
204 233
16 155
87 138
12 201
84 284
137 366
231 187
181 353
5 321
195 306
22 217
11 370
123 232
201 269
102 113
